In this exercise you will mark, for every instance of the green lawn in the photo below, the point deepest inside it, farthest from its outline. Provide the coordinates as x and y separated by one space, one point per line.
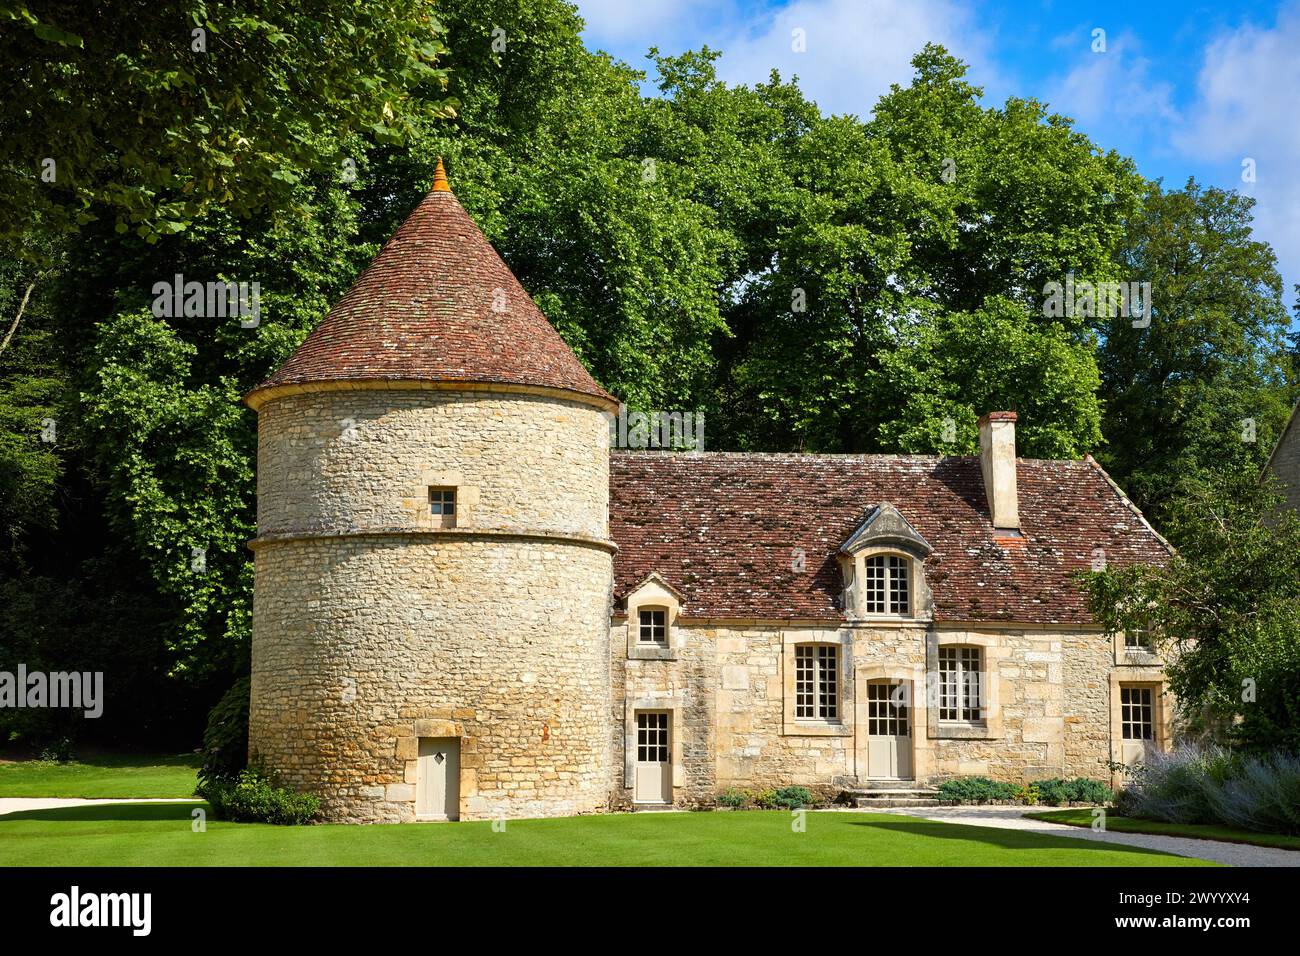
113 775
1193 831
161 835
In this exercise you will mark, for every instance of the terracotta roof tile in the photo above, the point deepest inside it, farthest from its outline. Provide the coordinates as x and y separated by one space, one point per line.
724 530
437 304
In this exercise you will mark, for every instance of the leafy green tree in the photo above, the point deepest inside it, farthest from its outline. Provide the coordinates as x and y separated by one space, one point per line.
155 113
1225 610
954 368
883 247
1208 385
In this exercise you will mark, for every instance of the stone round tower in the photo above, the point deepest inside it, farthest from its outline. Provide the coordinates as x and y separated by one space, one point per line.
433 567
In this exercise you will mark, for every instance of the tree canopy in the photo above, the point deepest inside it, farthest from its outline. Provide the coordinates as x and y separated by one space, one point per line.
809 282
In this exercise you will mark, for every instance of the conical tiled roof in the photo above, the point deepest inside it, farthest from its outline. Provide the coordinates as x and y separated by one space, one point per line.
437 304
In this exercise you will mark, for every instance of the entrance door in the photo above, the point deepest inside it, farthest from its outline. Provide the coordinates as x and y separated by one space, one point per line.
889 733
437 788
1137 724
652 776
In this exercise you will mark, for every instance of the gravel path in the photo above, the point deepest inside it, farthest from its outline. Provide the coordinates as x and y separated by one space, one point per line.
1233 854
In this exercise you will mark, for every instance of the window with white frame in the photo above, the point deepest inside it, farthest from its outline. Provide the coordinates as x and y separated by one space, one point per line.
652 626
888 584
1137 713
816 683
1137 639
961 684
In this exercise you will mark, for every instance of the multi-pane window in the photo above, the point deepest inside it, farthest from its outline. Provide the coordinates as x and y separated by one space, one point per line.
1136 713
1137 639
886 710
442 501
652 737
653 625
960 684
888 585
816 682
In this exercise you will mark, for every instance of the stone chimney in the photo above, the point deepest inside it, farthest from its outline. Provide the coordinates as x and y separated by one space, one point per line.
998 462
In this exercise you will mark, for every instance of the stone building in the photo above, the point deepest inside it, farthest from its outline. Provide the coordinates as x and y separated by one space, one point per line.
1284 460
467 607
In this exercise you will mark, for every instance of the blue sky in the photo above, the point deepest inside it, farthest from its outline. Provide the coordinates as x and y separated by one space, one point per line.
1186 89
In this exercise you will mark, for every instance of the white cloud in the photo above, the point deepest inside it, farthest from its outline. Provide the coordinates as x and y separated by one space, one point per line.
619 21
1108 91
1246 108
855 48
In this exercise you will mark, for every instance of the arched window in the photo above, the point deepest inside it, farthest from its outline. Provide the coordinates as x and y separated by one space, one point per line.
888 584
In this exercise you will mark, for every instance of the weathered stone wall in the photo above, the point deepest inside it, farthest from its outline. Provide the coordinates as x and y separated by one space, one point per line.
1088 660
342 459
1048 695
372 629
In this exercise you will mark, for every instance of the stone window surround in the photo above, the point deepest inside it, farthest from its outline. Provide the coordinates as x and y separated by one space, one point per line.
991 652
655 593
416 501
854 570
1126 656
673 707
792 726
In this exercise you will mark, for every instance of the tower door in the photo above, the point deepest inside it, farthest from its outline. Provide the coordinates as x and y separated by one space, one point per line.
889 733
437 788
652 780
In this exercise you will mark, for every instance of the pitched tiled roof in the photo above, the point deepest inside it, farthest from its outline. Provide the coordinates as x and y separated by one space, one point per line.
437 304
725 530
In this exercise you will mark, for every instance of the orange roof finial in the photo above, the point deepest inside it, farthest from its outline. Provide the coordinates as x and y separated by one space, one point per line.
440 179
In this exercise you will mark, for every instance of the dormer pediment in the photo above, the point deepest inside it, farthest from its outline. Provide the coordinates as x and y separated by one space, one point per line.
654 586
884 526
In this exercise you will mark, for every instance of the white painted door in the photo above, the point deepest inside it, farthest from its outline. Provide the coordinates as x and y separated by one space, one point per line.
1137 724
437 788
652 775
889 734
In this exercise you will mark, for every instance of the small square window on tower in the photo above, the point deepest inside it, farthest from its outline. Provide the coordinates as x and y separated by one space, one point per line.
442 505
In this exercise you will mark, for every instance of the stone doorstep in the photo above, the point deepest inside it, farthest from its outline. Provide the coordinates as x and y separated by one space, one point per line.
892 793
869 803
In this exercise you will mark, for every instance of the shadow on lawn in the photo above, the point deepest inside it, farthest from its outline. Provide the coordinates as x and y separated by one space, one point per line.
135 812
1001 837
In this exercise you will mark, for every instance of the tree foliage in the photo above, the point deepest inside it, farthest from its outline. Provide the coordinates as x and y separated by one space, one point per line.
1225 611
154 113
807 281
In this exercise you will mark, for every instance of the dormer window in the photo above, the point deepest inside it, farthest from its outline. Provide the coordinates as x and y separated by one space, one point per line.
653 626
888 584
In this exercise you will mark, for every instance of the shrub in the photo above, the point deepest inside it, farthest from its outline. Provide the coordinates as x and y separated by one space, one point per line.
766 799
225 741
1057 791
792 798
60 751
731 797
977 789
1181 786
255 797
1264 795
